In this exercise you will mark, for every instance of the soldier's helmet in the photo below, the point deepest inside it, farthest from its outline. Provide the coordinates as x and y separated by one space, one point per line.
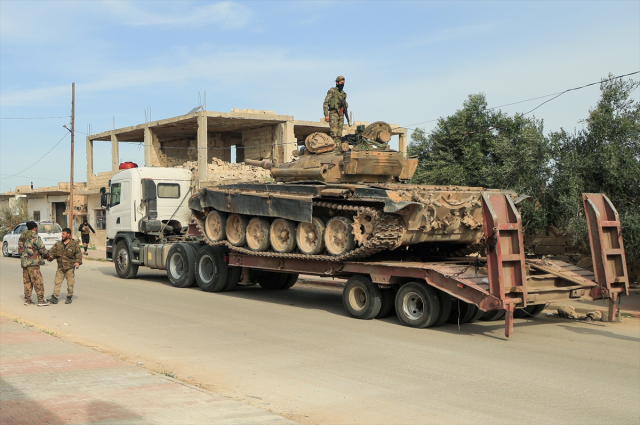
340 78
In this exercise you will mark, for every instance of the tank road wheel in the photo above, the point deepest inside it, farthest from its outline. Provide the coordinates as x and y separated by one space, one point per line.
361 297
528 311
310 236
122 260
444 300
417 305
237 229
181 262
258 234
282 235
492 315
388 302
215 225
338 236
212 271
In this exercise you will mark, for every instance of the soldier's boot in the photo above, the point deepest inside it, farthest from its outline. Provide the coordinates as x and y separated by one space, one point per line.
28 302
53 300
43 303
68 301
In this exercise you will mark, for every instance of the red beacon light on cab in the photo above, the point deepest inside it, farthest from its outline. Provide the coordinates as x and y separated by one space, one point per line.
127 165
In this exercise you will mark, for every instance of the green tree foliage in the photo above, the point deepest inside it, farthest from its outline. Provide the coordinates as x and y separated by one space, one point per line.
603 157
488 148
10 217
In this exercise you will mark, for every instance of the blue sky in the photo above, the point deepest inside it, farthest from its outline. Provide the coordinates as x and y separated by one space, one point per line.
405 62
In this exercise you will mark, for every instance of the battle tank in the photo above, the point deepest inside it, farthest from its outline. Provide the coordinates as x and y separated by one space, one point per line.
341 199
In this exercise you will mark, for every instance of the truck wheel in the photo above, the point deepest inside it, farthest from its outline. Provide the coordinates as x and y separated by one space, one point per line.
233 277
291 280
215 225
237 229
338 236
181 262
492 315
275 280
476 315
361 297
310 236
388 302
211 270
444 300
528 311
461 312
122 260
282 235
417 305
258 234
5 250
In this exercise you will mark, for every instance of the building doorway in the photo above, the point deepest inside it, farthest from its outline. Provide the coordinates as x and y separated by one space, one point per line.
60 208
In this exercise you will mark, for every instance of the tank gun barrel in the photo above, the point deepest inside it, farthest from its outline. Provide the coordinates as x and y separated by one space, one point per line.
310 173
265 163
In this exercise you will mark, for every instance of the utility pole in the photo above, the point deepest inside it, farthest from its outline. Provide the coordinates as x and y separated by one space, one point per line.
73 129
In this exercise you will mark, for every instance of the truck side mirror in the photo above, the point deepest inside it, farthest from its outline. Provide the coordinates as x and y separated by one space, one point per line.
148 190
104 201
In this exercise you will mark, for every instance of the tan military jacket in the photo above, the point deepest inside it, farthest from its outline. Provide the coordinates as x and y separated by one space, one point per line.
334 101
67 255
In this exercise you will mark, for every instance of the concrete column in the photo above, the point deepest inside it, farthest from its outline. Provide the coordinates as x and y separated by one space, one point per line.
287 139
148 143
115 154
203 169
89 160
402 143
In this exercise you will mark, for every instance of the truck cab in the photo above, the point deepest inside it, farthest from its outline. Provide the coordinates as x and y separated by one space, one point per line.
145 205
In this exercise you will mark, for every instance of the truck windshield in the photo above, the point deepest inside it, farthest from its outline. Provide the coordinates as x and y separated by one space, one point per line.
49 228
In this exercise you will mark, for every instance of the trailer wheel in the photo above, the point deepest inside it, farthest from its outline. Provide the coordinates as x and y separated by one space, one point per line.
122 260
476 315
492 315
310 236
361 297
417 305
275 280
461 312
215 225
181 265
211 270
388 302
258 234
444 300
528 311
237 229
233 277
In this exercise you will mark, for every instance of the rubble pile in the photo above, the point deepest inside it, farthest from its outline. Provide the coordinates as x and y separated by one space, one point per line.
568 312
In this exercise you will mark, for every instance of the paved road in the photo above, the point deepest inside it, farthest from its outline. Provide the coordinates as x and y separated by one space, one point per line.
297 354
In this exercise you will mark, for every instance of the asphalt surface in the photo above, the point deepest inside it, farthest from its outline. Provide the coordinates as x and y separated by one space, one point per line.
296 353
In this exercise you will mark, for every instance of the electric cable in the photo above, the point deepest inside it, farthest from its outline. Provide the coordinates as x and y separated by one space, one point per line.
54 146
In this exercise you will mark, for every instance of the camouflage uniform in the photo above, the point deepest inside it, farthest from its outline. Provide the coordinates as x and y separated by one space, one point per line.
67 255
32 251
333 108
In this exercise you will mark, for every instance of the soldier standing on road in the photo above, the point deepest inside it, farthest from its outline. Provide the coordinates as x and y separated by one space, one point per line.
334 106
32 253
84 229
67 252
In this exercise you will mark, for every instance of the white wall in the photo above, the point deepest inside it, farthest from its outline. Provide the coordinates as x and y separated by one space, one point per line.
40 204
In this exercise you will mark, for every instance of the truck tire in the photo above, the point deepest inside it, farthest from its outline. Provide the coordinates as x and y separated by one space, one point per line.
291 280
528 311
417 305
461 312
492 315
388 302
211 270
444 300
275 280
361 297
233 277
476 315
122 261
181 262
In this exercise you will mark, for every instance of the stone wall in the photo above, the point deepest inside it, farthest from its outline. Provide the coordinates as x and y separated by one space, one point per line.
258 143
222 172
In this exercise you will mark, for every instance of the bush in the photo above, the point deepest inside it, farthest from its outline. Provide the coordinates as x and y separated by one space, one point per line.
10 217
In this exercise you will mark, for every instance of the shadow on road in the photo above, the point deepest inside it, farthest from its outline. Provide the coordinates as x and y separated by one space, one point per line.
599 332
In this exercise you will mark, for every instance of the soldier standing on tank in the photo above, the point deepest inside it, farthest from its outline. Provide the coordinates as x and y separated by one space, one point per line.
32 253
67 252
334 106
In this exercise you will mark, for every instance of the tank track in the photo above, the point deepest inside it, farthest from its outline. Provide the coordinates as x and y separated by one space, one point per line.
388 236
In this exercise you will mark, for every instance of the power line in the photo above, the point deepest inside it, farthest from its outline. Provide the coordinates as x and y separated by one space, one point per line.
32 118
31 177
54 146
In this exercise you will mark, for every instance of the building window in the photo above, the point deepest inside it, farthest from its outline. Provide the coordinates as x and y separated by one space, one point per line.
115 194
36 216
168 190
101 220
